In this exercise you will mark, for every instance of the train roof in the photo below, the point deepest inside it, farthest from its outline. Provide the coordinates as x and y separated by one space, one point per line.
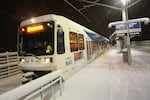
37 19
44 18
49 17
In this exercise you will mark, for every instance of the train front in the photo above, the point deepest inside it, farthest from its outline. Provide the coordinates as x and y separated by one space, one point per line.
36 46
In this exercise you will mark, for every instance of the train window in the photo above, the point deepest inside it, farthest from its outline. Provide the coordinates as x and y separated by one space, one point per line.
37 39
73 41
81 41
60 40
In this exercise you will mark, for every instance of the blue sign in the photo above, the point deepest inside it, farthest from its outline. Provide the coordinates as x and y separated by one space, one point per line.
133 27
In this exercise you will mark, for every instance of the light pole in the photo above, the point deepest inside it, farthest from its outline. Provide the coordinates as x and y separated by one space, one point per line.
127 50
125 10
125 21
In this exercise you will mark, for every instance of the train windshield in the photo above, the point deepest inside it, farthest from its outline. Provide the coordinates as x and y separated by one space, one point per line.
37 39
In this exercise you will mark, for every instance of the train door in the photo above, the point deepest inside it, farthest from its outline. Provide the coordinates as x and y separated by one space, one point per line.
88 46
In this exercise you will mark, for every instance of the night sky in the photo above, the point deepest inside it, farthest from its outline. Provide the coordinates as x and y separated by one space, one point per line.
12 12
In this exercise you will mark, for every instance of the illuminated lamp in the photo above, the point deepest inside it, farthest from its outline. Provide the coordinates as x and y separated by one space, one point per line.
124 2
48 24
32 20
22 30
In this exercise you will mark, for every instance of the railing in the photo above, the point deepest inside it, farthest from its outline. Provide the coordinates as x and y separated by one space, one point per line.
141 43
9 64
34 88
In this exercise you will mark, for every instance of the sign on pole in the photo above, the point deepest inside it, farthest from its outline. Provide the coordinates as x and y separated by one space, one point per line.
134 27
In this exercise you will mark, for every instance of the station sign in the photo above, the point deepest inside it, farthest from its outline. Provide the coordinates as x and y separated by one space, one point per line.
133 28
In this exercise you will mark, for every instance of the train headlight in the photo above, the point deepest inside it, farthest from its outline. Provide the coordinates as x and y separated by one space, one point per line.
47 60
22 60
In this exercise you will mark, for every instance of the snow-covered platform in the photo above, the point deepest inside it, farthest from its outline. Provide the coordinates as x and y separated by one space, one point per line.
108 78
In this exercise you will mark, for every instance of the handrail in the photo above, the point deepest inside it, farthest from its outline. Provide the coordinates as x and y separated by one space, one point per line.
8 53
8 62
36 86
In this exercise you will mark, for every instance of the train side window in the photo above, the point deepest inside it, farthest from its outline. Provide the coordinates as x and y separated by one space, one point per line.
81 41
73 41
60 40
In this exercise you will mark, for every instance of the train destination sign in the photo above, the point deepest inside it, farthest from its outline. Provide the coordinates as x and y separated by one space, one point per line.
134 27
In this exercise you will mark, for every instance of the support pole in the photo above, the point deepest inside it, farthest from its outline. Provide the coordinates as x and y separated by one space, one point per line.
127 49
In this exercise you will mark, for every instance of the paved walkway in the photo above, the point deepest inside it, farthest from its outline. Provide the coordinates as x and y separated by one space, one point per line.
10 83
108 78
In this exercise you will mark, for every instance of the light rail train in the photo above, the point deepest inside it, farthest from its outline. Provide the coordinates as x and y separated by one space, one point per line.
50 42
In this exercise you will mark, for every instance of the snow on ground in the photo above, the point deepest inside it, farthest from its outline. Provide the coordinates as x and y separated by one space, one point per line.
108 78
